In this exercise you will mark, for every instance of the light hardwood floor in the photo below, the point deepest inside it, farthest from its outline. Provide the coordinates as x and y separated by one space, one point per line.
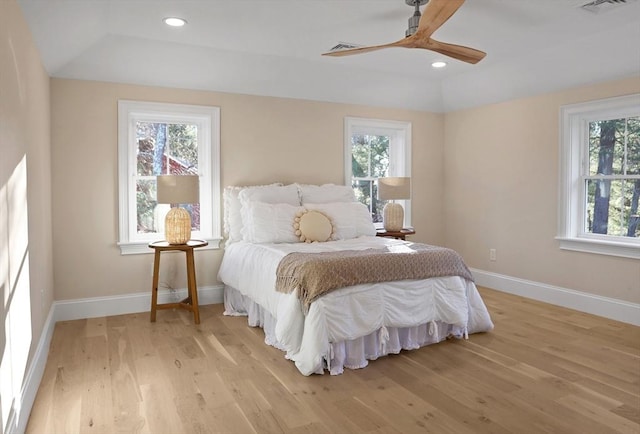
544 369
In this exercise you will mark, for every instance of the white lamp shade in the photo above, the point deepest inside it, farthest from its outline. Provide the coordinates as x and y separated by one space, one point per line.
394 188
178 189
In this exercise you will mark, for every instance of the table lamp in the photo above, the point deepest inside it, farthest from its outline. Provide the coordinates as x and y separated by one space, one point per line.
177 189
393 188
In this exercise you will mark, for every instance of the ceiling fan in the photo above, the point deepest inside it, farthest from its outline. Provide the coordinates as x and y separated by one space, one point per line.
418 35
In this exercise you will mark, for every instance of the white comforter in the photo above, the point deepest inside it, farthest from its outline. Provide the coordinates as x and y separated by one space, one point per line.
350 312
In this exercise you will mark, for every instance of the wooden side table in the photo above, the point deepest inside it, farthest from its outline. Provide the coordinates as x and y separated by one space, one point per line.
399 235
191 302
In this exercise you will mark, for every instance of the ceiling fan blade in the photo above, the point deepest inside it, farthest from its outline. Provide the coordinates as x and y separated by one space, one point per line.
435 14
460 52
359 50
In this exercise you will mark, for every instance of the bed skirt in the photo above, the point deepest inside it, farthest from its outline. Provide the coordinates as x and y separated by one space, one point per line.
352 354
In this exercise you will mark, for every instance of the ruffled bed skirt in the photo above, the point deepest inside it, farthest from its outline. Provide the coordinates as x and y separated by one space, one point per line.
352 354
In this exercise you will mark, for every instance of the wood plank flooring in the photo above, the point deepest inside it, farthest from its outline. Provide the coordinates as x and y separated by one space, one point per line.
544 369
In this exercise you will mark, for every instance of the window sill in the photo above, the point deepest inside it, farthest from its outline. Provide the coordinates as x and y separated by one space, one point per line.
140 248
624 250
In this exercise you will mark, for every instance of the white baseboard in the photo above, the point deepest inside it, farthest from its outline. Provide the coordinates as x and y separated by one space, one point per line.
606 307
88 308
96 307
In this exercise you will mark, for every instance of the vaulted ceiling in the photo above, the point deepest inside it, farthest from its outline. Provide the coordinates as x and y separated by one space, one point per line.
273 47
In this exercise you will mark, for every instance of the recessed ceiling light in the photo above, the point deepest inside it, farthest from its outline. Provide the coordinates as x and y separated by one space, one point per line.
175 21
439 64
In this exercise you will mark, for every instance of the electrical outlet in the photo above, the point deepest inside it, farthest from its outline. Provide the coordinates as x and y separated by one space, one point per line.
492 255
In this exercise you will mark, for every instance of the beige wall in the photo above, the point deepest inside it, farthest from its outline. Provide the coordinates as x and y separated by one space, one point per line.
490 173
26 267
262 140
501 191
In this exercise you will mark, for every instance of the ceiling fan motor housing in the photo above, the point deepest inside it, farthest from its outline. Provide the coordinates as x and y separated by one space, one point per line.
413 25
414 20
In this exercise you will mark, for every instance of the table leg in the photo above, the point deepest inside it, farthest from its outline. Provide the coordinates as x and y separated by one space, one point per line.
191 284
154 285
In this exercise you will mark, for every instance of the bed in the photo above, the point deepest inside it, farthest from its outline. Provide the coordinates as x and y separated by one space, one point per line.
348 326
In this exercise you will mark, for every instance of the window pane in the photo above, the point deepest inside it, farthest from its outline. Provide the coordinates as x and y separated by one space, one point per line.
611 144
194 210
183 148
359 156
378 149
366 192
146 204
369 156
370 159
363 191
633 146
163 148
379 156
145 156
376 209
612 207
166 148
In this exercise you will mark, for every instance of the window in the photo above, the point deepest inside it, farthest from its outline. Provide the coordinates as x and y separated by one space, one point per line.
376 149
157 139
600 177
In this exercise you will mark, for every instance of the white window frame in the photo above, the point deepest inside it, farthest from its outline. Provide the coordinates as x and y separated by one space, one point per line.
399 150
208 121
574 158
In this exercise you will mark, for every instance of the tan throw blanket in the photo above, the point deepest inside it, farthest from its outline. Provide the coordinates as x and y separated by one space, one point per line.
316 274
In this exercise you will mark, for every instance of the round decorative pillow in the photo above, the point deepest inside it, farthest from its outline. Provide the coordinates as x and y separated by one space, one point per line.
311 225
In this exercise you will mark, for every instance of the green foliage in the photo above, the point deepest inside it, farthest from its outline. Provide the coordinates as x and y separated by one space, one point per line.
182 140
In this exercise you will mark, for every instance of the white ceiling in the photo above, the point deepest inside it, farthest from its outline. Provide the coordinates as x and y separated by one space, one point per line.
273 47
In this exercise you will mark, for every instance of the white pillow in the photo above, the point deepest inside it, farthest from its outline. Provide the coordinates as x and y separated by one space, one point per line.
327 193
232 211
269 222
271 194
350 219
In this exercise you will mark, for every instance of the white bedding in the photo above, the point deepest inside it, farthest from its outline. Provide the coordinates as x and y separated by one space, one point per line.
347 313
